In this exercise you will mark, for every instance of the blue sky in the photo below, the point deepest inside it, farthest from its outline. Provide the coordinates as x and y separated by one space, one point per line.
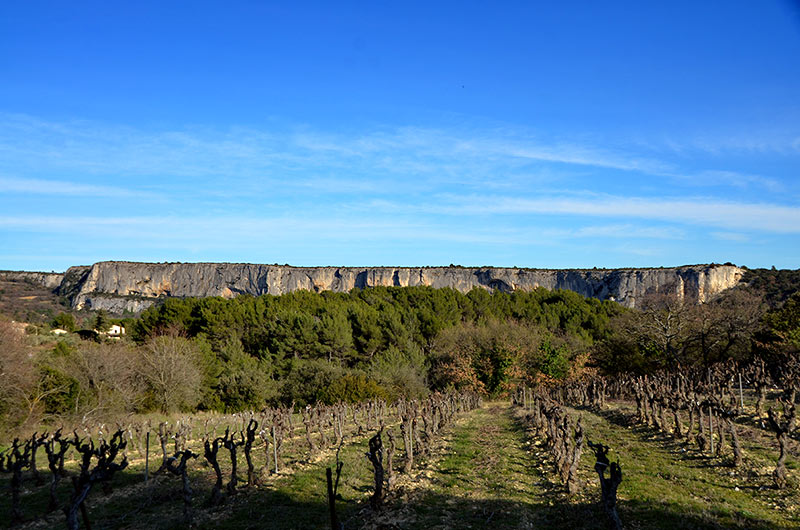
533 134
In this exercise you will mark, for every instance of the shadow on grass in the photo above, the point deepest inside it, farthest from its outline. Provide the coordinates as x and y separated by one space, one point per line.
435 511
159 506
35 497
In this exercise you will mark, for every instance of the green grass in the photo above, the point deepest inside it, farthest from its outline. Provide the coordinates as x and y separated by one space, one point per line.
492 474
669 484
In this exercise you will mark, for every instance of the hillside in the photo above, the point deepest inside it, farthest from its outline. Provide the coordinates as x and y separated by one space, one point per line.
28 301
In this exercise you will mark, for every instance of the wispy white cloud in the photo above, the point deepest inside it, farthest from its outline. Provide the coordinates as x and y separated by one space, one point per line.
405 183
630 231
774 142
293 157
222 231
59 187
728 179
696 211
730 236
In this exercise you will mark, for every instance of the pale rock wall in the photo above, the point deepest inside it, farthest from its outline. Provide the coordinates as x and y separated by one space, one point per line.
50 280
119 286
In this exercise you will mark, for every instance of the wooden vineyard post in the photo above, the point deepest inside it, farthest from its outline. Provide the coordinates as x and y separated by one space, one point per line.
711 428
275 448
147 457
741 394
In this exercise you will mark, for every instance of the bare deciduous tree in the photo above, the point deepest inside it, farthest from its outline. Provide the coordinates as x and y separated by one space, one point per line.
170 367
17 376
106 376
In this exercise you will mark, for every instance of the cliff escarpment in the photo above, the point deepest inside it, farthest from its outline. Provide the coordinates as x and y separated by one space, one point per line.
126 286
49 280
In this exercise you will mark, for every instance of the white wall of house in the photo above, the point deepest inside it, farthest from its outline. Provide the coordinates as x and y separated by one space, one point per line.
115 331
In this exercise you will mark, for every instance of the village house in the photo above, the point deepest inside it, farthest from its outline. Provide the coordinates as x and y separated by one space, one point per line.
115 331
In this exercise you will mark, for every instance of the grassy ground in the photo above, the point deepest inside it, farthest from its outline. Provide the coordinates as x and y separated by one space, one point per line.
485 471
486 475
669 484
491 473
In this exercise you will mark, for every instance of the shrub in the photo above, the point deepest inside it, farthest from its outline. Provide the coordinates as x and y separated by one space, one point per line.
61 392
306 381
353 388
62 349
554 361
243 382
64 321
401 373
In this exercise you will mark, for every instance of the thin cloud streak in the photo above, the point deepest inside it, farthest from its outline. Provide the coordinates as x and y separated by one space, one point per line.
735 216
238 231
719 178
293 157
58 187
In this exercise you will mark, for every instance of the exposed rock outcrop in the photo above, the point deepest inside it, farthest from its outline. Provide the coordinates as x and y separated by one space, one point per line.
126 286
50 280
72 281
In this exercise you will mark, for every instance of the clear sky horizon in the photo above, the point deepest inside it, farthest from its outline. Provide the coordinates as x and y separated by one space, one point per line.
530 134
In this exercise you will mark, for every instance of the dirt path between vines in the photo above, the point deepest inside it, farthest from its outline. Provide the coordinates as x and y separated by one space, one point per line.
488 473
483 476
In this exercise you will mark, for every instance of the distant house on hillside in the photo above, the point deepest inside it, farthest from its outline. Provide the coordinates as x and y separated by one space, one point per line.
115 331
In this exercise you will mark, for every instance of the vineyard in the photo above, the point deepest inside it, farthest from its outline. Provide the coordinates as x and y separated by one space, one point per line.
692 449
206 470
671 450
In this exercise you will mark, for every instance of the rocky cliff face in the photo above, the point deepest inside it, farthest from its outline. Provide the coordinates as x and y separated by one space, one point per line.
50 280
120 286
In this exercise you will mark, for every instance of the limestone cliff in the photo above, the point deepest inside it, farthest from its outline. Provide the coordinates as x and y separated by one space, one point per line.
50 280
119 286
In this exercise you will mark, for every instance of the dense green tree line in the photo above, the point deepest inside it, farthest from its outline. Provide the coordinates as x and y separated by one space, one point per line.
391 339
351 327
